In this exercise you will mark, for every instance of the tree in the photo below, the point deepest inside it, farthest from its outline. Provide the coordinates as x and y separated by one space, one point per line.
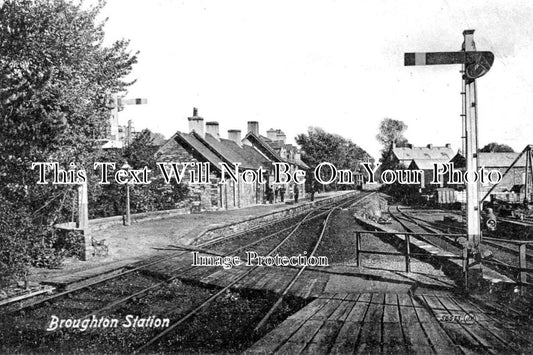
109 200
497 148
320 146
56 76
391 132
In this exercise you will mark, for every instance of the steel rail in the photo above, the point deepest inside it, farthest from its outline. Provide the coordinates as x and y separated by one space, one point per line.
445 237
497 244
193 312
182 270
216 295
264 225
115 276
295 278
75 289
139 293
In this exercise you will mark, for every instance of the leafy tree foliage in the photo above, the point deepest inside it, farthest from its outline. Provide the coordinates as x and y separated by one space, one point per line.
109 200
391 133
55 76
497 148
320 146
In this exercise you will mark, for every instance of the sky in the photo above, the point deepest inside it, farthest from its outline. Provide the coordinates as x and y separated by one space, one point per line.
337 65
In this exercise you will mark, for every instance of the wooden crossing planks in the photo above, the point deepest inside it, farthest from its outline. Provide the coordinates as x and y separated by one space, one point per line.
390 323
459 320
273 279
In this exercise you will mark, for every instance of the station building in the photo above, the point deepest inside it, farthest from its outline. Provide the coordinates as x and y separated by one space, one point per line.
204 144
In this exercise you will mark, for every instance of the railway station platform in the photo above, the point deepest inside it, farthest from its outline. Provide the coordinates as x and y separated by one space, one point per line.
149 238
369 306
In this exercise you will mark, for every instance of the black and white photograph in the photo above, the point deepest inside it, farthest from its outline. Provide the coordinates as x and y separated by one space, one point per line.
266 177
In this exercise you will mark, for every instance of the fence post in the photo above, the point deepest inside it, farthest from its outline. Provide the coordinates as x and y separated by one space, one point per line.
357 248
523 265
407 253
465 267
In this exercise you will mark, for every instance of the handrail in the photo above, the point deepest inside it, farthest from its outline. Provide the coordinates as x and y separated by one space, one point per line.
522 268
423 234
512 241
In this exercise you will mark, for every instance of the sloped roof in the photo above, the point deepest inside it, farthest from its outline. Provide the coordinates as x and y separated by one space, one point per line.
277 145
493 160
256 157
406 154
263 142
239 152
220 147
500 159
426 164
216 151
233 153
199 147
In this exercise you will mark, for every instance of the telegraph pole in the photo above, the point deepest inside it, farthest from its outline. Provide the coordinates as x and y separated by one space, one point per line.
474 65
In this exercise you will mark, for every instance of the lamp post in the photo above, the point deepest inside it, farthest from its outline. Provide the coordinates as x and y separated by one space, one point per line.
127 220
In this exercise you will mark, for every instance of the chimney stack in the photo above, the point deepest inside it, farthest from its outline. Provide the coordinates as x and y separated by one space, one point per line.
253 126
196 123
235 135
211 127
280 137
272 134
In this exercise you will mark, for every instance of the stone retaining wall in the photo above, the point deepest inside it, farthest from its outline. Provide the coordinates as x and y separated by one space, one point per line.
231 228
102 223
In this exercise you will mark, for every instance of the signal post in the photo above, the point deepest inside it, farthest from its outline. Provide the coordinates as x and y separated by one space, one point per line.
474 65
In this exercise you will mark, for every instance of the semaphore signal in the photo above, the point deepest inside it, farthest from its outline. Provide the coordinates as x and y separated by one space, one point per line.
474 65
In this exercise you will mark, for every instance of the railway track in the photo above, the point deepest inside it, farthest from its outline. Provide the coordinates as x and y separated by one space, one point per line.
30 303
113 298
501 245
208 301
504 255
413 226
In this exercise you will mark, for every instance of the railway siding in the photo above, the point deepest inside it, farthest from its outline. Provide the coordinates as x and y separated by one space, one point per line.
489 275
341 308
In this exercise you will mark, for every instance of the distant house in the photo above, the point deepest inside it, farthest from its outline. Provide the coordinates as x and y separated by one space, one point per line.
426 166
500 162
421 158
430 153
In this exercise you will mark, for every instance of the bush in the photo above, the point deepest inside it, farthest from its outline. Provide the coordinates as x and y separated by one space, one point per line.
70 242
23 244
